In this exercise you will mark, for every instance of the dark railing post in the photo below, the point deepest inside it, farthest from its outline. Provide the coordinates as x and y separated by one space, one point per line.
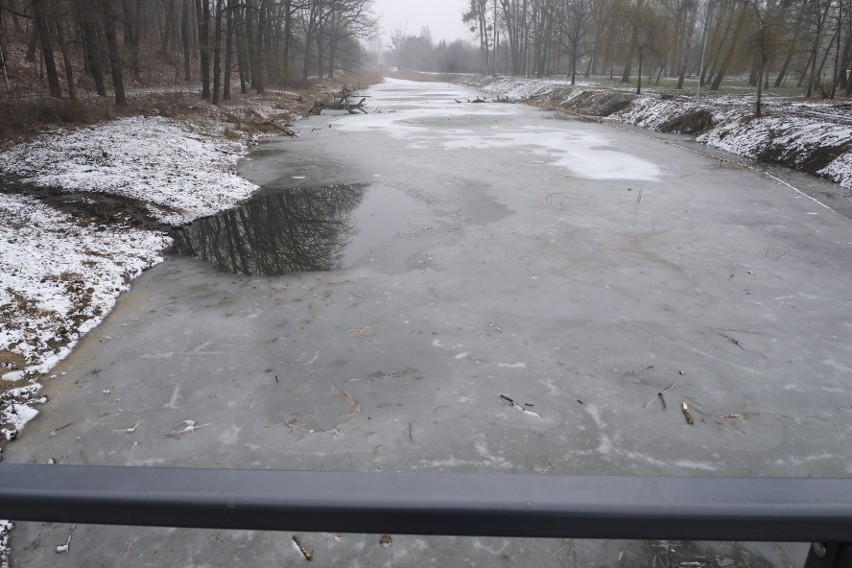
829 555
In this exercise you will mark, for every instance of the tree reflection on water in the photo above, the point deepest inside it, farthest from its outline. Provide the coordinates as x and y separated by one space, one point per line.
292 230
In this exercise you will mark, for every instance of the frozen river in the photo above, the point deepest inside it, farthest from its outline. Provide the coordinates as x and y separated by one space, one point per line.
457 252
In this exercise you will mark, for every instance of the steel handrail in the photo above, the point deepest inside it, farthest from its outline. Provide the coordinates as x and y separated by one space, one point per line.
602 507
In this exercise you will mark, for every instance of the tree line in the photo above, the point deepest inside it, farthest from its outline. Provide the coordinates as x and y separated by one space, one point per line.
806 43
212 42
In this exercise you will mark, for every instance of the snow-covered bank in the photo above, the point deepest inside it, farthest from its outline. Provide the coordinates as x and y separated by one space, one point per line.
811 136
180 174
63 272
60 279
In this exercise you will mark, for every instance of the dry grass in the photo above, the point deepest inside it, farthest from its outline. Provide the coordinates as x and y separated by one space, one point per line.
24 114
10 362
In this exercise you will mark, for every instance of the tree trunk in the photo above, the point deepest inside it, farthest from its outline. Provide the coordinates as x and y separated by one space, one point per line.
251 47
66 59
217 52
92 54
320 63
229 51
167 27
723 68
240 32
686 48
822 64
843 79
33 44
132 19
288 32
782 75
758 111
573 63
258 82
639 74
202 10
837 51
625 75
817 40
112 51
43 30
332 44
184 34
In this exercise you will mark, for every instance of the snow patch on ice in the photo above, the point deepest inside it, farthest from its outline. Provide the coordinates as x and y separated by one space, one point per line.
584 153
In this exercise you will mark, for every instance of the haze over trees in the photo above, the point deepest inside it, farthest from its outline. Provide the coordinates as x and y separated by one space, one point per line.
777 43
101 46
96 44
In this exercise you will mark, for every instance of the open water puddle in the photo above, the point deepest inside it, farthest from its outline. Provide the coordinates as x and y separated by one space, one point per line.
300 229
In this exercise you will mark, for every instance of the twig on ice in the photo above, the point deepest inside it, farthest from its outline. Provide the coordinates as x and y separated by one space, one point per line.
660 395
638 201
66 548
737 342
360 331
686 413
188 426
356 409
308 554
733 340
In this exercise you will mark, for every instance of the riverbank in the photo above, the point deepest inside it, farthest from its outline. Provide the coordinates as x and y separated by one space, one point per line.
809 135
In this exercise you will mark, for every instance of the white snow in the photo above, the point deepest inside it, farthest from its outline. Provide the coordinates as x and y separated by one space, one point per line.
181 174
5 527
16 412
60 279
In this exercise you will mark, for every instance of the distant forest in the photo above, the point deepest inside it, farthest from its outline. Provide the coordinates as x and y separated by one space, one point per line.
92 44
60 47
804 44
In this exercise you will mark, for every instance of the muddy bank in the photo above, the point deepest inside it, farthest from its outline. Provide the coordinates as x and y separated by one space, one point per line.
87 207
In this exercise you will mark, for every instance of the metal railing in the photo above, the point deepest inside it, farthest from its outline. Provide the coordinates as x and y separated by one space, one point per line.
600 507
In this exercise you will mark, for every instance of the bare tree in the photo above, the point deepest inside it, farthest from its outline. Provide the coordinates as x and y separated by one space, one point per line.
42 27
476 17
217 50
575 24
202 11
764 38
642 20
109 18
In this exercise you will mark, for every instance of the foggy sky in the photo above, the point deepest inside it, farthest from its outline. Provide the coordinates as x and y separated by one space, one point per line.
442 16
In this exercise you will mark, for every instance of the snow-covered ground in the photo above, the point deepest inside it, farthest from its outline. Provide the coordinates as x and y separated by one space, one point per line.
182 175
810 135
